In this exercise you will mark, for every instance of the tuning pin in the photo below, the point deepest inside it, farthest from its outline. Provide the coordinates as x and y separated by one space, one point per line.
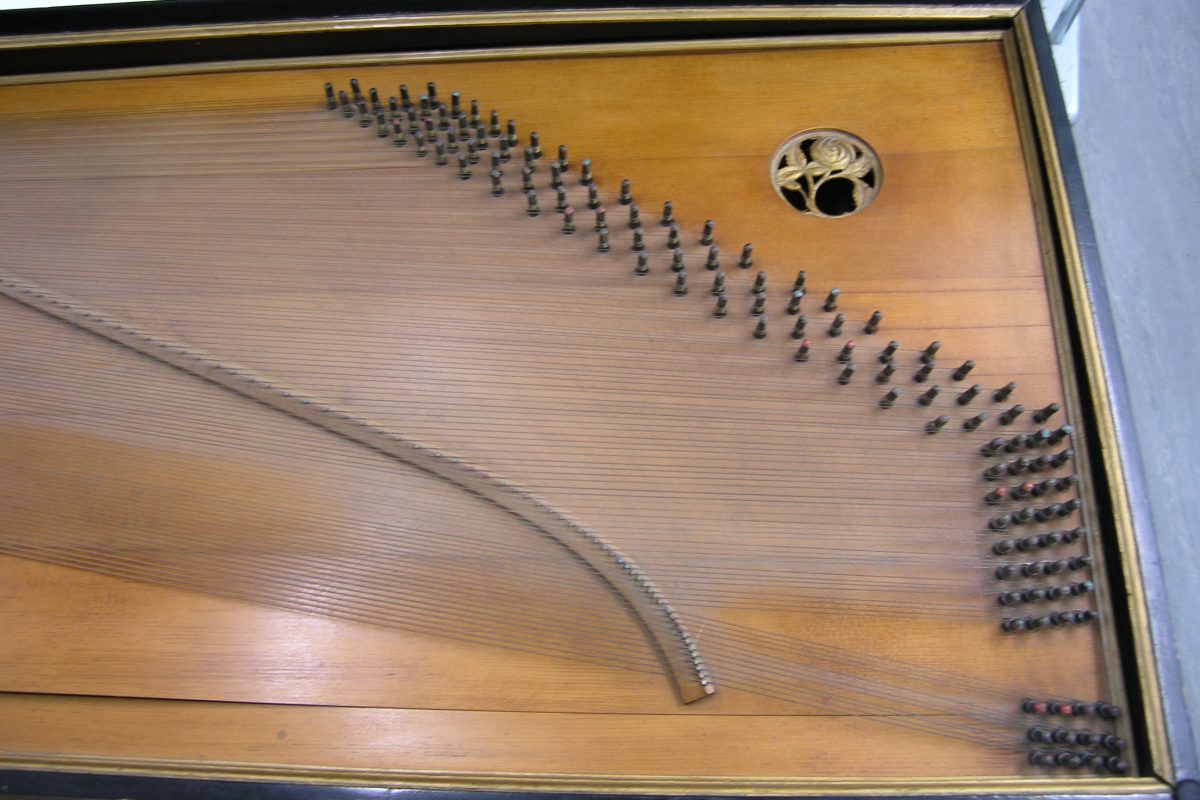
556 181
330 97
846 375
760 304
526 179
713 259
889 399
424 104
474 118
968 395
422 150
1041 415
929 354
963 371
673 237
439 149
760 330
1062 458
847 352
801 279
888 352
885 374
344 101
535 144
531 204
835 327
668 214
718 285
747 259
831 300
626 195
993 497
721 308
444 119
1003 393
681 287
585 173
933 426
398 136
930 395
706 237
563 162
993 447
464 129
494 125
798 328
505 156
794 304
975 421
497 186
431 87
1010 416
593 200
639 240
464 168
677 260
802 352
873 323
924 372
601 219
473 150
602 244
530 160
511 135
643 264
356 89
560 203
373 93
635 216
393 107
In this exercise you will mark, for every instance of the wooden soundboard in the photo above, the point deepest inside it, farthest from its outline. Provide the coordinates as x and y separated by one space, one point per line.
329 462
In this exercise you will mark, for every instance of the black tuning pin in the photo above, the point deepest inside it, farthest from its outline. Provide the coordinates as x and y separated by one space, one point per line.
846 375
681 287
831 300
330 97
846 353
706 237
963 371
722 306
601 219
1002 394
967 395
1010 416
493 124
668 214
929 354
639 237
497 186
677 260
602 243
405 98
889 399
464 168
712 261
526 179
929 396
593 200
802 351
585 173
873 323
747 259
995 496
885 374
793 306
511 136
535 144
1057 436
801 279
1043 414
760 283
556 181
626 195
798 328
835 327
922 375
564 163
975 421
568 225
643 264
531 204
635 216
993 447
935 425
344 101
889 352
760 330
1058 459
760 304
718 285
673 237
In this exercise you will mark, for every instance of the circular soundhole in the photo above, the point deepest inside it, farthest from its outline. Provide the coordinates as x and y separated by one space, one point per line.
826 173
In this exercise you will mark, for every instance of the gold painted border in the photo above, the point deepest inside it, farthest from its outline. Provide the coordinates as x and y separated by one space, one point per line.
600 784
1008 13
841 13
509 54
1093 362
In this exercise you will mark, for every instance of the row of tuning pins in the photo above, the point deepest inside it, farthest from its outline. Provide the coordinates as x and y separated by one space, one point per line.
1058 742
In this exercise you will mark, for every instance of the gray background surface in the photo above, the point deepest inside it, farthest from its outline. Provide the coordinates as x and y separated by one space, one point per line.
1137 133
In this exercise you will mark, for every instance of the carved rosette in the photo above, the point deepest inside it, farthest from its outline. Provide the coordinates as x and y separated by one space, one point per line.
826 173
